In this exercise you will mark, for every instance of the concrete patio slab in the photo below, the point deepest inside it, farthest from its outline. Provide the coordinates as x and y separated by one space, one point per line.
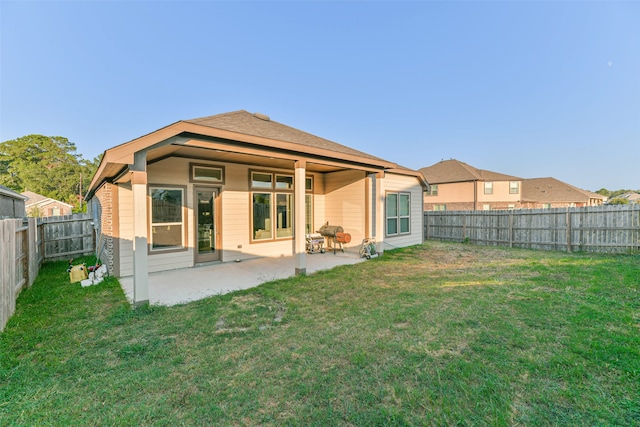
191 284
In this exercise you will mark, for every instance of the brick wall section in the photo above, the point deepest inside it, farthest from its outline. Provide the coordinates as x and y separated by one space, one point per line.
105 196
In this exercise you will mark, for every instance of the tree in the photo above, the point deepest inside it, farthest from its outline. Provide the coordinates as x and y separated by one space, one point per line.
47 165
618 201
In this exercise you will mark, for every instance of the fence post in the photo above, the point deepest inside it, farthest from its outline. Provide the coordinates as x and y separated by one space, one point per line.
426 226
510 229
32 248
464 227
568 230
7 270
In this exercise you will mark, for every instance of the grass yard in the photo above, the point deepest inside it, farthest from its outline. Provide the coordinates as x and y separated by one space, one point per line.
438 334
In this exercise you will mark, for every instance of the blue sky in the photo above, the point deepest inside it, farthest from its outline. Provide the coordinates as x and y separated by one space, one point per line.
530 89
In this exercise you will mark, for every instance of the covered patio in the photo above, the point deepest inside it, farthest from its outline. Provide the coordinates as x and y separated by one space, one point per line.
195 283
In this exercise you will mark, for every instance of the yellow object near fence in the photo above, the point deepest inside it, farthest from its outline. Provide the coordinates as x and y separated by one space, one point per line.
78 273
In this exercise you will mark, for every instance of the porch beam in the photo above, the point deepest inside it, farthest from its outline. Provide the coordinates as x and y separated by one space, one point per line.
140 233
299 218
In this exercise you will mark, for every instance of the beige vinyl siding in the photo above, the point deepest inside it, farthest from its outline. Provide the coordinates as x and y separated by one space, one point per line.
319 208
406 184
345 203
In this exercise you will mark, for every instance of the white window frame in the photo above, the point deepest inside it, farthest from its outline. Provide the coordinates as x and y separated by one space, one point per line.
488 187
514 187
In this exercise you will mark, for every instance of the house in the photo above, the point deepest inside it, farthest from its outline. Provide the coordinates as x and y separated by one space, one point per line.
540 193
238 185
630 196
11 203
455 185
38 205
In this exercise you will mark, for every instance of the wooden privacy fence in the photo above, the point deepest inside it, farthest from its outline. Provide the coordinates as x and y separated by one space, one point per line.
610 229
67 236
24 245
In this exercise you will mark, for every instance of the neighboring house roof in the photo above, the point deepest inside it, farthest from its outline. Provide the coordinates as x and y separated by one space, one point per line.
548 190
632 197
10 193
232 135
449 171
35 199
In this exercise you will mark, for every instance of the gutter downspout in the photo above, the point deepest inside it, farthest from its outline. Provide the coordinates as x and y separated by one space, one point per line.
475 195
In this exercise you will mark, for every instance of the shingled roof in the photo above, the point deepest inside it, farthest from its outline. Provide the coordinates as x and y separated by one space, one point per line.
448 171
260 125
548 190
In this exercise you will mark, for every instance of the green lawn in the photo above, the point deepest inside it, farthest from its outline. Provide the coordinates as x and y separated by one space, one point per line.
438 334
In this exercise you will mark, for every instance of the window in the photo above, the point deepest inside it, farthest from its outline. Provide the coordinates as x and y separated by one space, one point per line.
272 209
546 206
488 188
433 190
308 205
262 216
308 213
439 207
261 180
511 207
398 213
284 215
167 218
206 173
514 187
284 181
486 207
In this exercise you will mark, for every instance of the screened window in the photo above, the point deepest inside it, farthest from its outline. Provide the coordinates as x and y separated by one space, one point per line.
488 188
514 187
398 213
433 190
167 218
439 207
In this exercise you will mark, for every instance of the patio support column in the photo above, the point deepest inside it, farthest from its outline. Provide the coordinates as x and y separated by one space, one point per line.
380 218
299 216
140 227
